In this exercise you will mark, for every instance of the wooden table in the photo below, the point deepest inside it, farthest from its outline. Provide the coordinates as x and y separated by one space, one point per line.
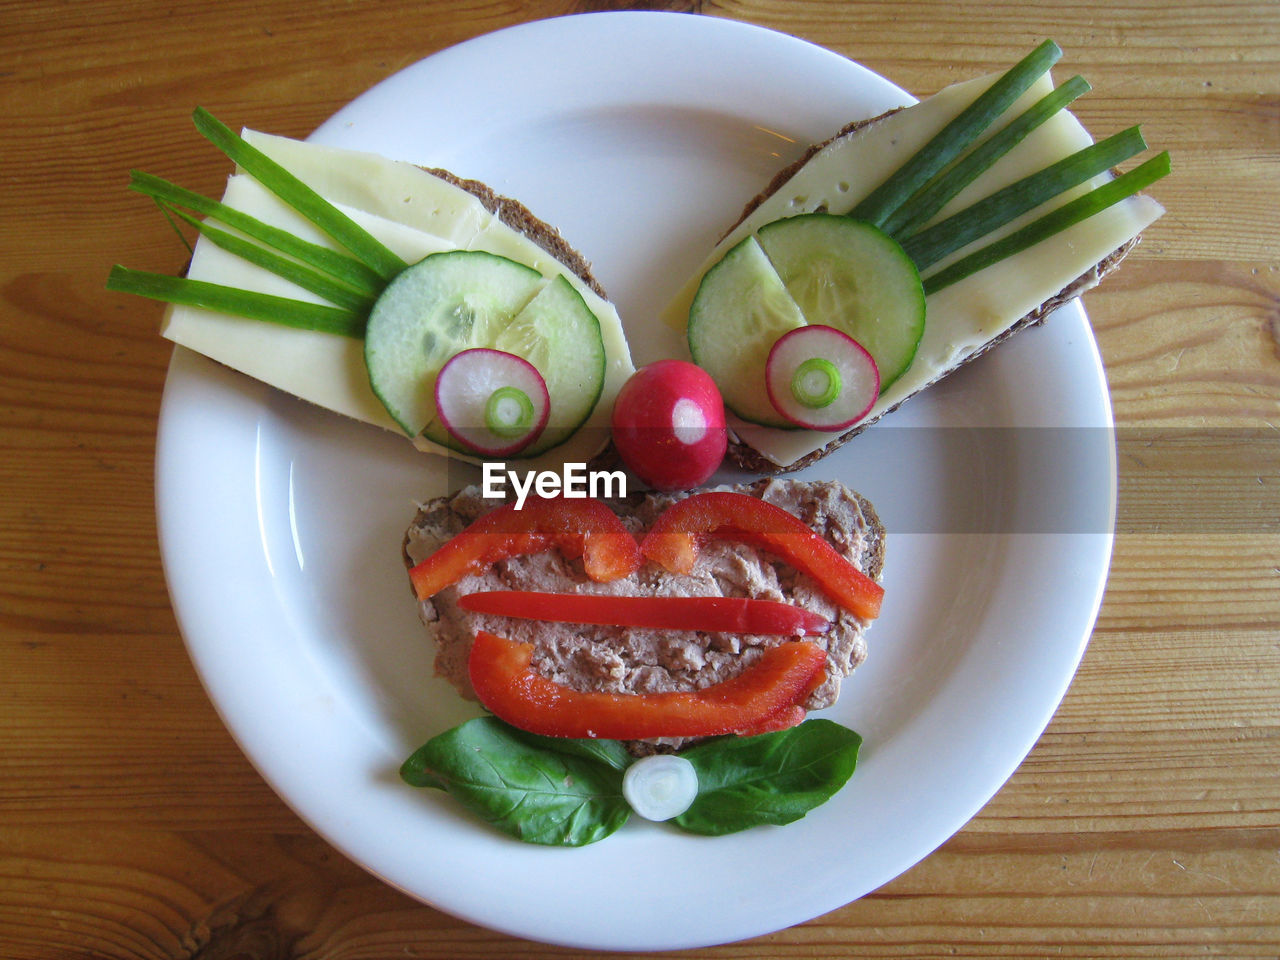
1146 822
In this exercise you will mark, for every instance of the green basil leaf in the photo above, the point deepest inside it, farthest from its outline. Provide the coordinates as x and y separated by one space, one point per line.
774 778
545 792
609 752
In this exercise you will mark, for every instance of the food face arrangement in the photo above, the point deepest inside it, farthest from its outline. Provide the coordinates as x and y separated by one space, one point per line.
658 653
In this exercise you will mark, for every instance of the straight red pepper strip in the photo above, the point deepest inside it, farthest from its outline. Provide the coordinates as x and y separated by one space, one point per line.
708 614
675 537
771 687
578 526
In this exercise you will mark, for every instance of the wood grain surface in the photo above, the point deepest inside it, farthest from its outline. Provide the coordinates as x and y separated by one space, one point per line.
1146 821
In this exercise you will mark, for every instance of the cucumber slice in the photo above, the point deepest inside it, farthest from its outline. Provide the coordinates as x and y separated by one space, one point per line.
559 335
443 304
463 299
740 309
850 275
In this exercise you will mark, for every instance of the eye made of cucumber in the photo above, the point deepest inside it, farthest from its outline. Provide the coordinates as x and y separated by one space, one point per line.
461 300
814 269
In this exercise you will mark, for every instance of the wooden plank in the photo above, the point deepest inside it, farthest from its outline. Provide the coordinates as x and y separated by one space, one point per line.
1145 822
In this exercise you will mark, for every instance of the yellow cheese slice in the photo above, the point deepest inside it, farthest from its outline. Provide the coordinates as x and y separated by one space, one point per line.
391 189
963 317
415 214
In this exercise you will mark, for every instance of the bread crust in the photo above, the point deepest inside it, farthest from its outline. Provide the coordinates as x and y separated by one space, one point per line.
518 217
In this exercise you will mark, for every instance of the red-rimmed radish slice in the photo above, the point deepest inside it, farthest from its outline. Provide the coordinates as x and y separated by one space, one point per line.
821 378
493 402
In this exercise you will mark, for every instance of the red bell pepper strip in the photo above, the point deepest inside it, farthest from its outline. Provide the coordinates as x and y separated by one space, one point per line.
579 527
709 614
675 537
503 680
784 719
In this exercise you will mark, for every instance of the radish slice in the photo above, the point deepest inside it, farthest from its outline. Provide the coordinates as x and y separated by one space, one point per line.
661 786
820 378
492 402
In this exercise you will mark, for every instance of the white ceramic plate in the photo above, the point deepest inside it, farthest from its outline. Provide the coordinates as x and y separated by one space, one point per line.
639 135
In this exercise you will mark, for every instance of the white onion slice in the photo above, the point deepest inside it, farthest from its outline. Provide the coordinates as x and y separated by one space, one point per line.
660 787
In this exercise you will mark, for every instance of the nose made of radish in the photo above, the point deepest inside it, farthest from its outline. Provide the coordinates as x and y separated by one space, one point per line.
668 425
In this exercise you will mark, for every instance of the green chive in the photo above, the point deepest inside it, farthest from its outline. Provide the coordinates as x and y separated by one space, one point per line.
168 215
942 239
1067 215
241 303
345 231
909 218
816 383
318 283
339 265
508 413
956 136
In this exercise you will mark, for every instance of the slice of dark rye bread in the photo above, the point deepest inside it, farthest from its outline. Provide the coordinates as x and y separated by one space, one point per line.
747 457
622 660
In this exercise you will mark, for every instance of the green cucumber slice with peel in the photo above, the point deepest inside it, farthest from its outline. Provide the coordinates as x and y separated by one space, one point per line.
443 304
850 275
557 333
463 299
742 307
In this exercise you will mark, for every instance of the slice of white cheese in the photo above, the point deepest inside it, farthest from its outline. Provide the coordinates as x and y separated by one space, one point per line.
415 214
963 317
390 189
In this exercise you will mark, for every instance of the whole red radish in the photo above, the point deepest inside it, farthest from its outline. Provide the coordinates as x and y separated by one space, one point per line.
668 425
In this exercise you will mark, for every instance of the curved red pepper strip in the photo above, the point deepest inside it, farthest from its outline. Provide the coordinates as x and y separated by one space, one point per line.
579 526
673 541
784 719
772 687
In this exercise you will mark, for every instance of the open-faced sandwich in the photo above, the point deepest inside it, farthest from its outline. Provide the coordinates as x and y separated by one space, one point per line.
352 281
701 629
903 247
882 260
